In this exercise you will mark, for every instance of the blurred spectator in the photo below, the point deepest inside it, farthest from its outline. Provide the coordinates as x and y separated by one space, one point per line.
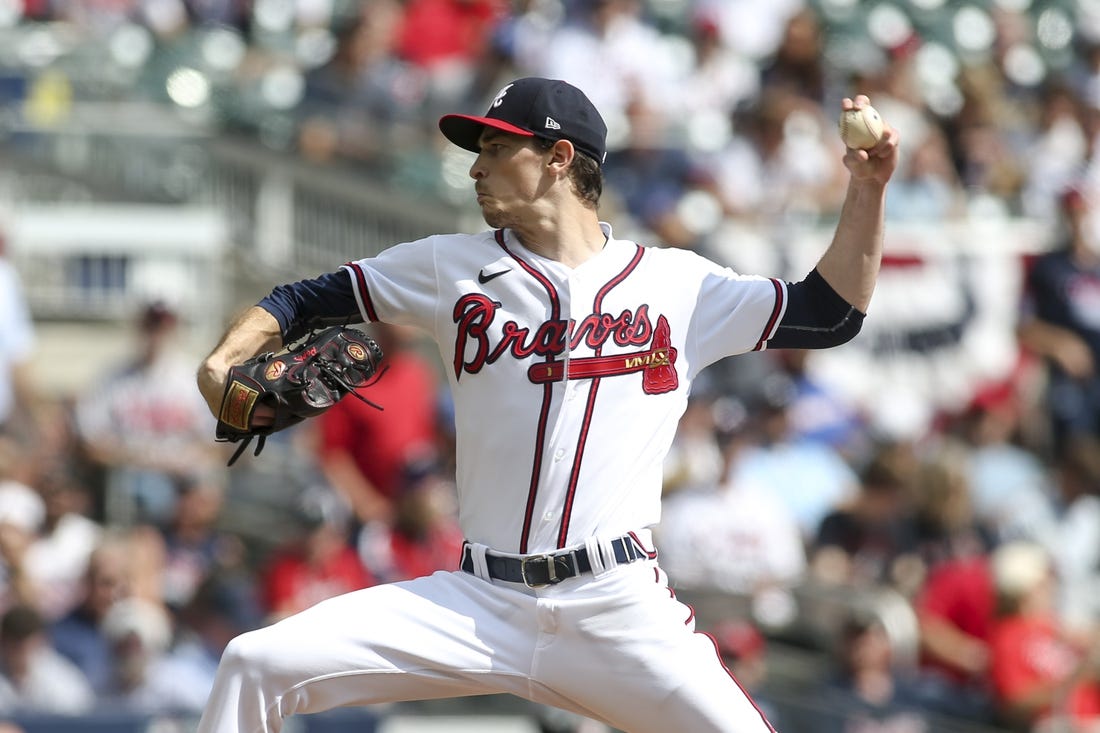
983 150
782 162
362 102
1072 536
194 546
446 39
57 558
222 607
694 461
808 478
146 425
316 563
98 17
950 580
869 540
929 188
955 612
518 45
34 677
1060 323
437 33
818 411
637 68
1040 675
364 450
214 13
945 523
753 28
56 448
892 78
22 512
652 175
798 64
720 79
868 690
17 345
1009 486
1056 152
734 535
423 536
79 636
139 632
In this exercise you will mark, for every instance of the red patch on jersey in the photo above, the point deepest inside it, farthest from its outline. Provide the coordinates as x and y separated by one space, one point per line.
660 375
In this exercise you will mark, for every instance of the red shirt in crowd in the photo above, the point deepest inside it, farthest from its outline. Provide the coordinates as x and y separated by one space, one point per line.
1029 653
436 31
291 583
960 592
382 442
439 551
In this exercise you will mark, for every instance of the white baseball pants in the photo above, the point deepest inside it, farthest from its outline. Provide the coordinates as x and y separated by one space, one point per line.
617 648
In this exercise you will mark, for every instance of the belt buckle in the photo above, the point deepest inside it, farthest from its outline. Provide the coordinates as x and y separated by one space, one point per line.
553 578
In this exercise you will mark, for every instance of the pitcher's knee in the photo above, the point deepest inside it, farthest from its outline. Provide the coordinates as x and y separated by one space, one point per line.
251 654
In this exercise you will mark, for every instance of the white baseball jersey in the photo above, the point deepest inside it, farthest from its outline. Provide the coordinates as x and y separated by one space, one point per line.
568 386
542 358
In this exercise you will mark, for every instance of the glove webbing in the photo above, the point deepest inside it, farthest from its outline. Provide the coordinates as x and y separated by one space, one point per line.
244 444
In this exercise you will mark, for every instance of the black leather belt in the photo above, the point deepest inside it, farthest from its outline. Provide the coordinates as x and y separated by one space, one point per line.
535 571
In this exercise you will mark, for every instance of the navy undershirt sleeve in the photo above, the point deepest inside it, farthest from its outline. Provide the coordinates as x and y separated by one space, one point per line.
816 317
327 300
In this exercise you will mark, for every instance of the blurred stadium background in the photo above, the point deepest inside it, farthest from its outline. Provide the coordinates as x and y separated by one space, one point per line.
176 150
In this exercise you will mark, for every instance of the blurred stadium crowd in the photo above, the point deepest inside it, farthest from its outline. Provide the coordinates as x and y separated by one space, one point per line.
125 569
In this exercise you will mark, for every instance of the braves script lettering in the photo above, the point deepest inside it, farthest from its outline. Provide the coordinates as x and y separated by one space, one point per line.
474 314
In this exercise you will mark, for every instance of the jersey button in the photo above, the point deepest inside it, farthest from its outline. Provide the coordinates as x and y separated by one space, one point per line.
548 517
559 454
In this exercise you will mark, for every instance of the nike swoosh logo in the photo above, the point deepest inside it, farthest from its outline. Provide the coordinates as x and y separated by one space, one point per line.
483 278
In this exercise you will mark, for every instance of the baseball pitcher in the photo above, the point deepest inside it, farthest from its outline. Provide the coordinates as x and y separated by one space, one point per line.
570 354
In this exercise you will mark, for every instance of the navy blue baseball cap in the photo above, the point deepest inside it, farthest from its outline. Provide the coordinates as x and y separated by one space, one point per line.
535 107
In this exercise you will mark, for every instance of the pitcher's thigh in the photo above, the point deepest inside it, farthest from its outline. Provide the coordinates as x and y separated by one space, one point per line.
439 636
642 688
638 663
706 697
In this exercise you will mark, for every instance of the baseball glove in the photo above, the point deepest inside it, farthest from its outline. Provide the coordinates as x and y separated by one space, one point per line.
299 383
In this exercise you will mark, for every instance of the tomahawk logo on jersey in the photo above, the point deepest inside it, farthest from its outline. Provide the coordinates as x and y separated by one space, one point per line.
475 313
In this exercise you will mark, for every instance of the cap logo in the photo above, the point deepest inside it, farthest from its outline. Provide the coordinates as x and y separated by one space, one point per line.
552 124
499 100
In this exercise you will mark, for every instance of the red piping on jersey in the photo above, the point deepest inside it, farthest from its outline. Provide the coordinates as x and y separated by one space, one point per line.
774 317
651 554
586 424
744 692
718 654
547 394
364 294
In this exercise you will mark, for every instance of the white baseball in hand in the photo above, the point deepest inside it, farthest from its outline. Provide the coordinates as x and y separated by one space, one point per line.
861 128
